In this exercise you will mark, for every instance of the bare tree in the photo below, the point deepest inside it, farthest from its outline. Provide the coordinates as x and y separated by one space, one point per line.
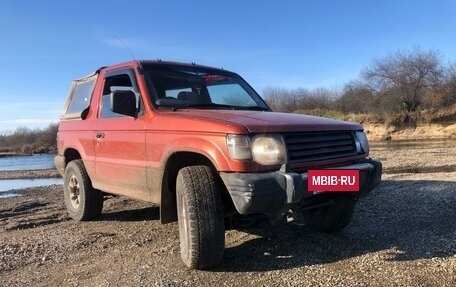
356 97
28 140
280 99
405 74
326 97
404 80
449 85
285 100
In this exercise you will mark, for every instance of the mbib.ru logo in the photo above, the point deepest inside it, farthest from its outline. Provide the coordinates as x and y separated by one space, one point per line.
336 180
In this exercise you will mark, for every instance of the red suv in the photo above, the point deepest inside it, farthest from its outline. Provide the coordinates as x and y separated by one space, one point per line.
204 146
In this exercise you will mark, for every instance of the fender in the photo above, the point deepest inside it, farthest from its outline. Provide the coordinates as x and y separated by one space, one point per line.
180 153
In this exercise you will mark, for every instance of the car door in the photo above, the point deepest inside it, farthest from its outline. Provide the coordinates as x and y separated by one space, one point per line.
120 150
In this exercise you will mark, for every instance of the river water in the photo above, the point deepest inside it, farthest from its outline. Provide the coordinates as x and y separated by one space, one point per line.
40 161
36 161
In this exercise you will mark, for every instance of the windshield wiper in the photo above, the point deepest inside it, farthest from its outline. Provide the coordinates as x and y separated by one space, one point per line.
253 108
204 106
219 106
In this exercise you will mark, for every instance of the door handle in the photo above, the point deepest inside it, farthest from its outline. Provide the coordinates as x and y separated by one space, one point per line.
100 135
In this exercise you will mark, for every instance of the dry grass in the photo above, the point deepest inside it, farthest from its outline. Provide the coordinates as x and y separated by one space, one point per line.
423 124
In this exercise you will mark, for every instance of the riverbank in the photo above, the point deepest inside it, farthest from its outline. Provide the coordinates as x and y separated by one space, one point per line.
402 235
29 174
11 154
377 131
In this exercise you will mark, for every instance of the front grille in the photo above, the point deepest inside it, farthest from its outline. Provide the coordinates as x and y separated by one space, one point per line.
318 146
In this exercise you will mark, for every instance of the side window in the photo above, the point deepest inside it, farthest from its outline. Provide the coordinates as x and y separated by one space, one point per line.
79 97
115 83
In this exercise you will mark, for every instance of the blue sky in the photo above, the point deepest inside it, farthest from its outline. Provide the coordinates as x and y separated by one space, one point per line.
45 44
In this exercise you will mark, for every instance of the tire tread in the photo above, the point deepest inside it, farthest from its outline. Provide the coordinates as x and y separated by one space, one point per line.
205 215
91 200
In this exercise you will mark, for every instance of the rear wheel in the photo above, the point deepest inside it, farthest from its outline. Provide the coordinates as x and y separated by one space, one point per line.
332 217
200 217
83 202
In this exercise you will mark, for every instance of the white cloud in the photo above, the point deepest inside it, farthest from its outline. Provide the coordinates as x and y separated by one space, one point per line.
26 121
13 124
30 105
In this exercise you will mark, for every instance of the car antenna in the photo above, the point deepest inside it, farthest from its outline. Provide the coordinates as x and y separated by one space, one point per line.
125 44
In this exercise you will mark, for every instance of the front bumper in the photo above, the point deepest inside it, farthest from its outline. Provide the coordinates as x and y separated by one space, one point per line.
269 193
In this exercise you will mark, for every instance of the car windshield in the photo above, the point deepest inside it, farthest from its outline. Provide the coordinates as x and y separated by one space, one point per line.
197 87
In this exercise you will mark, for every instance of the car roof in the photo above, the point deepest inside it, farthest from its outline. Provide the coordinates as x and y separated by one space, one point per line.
173 63
159 62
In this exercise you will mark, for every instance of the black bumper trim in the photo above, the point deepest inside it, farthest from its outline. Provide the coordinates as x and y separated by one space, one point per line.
269 193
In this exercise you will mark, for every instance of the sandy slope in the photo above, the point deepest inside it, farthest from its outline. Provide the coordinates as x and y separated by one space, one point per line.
431 131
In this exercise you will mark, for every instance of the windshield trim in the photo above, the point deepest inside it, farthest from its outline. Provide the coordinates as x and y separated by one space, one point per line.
218 107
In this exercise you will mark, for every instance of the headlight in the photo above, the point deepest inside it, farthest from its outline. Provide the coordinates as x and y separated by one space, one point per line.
269 149
362 145
265 149
238 147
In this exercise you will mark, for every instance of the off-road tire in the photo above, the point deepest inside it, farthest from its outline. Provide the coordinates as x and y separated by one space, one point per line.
83 202
334 217
200 217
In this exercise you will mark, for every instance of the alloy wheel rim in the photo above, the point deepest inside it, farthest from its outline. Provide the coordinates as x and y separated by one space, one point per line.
74 191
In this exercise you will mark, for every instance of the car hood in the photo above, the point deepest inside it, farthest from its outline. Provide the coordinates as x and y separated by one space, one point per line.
261 122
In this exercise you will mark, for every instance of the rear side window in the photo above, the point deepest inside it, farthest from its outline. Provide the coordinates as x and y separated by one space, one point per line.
79 97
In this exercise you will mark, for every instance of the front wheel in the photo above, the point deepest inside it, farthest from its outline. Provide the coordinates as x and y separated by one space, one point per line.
332 217
200 217
83 202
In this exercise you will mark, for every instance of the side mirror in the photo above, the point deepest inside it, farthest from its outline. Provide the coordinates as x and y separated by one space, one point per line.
124 103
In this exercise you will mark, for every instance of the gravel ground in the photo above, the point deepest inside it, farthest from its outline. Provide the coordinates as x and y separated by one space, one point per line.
403 234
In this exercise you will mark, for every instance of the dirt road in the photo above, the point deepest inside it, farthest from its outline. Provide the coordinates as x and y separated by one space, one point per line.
403 234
